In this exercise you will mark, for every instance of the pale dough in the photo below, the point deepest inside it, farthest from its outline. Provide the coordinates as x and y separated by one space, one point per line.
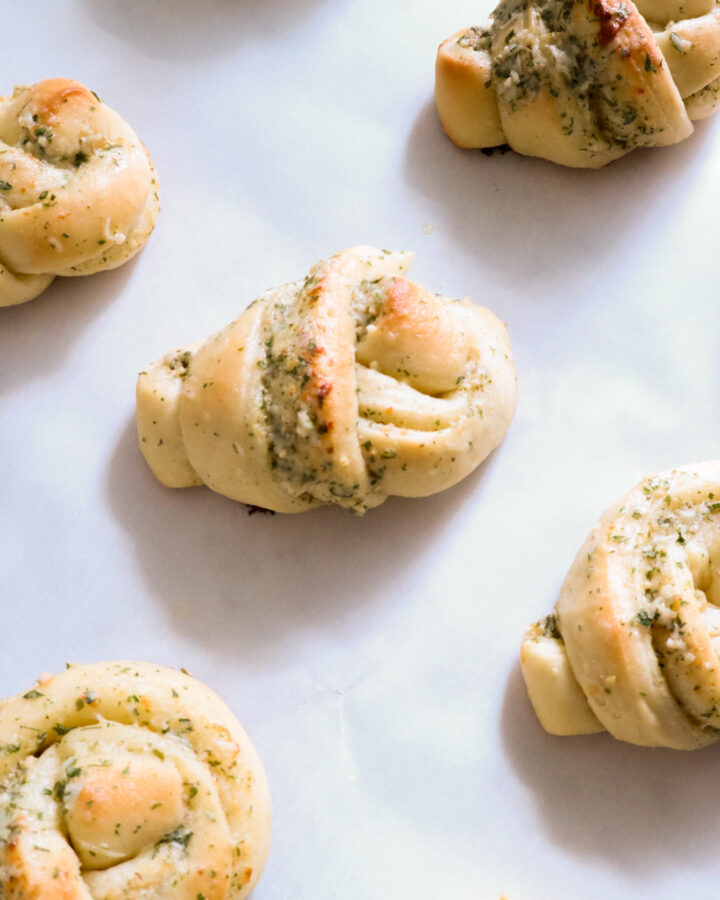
346 387
128 781
78 192
633 644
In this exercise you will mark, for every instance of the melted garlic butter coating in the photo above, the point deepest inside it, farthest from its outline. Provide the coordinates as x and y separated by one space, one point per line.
344 388
78 192
128 781
633 644
581 82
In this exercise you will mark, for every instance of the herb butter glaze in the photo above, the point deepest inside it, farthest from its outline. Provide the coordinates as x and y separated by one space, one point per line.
580 82
633 644
343 388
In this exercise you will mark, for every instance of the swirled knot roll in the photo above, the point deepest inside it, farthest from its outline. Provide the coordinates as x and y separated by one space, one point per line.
78 192
633 644
128 781
581 82
344 388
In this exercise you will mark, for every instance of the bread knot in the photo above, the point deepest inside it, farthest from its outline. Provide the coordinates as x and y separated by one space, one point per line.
78 192
581 82
118 779
632 646
344 388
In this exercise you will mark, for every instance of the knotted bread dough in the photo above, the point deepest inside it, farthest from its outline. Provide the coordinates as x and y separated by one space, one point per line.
633 644
581 82
78 192
344 388
128 781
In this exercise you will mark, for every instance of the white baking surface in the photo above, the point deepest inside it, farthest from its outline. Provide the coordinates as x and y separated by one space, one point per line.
374 662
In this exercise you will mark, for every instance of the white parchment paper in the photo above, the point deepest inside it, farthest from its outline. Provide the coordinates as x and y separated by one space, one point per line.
374 662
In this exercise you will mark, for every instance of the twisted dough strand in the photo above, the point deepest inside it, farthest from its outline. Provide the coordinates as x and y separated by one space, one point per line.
581 82
343 388
633 644
78 192
128 780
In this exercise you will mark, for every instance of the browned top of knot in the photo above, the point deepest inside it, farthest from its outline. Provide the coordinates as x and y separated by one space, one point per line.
611 16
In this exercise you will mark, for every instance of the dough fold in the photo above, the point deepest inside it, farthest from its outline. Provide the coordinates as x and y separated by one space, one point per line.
632 646
78 192
344 388
581 82
128 781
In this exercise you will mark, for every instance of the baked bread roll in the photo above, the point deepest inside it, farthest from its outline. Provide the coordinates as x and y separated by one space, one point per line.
78 191
633 644
581 82
345 387
125 780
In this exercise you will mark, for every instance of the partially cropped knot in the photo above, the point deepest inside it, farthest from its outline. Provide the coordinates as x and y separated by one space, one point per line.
581 83
119 778
633 646
344 388
78 192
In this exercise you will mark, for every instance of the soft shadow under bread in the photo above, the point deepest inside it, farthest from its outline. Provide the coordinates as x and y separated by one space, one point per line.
244 584
626 805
